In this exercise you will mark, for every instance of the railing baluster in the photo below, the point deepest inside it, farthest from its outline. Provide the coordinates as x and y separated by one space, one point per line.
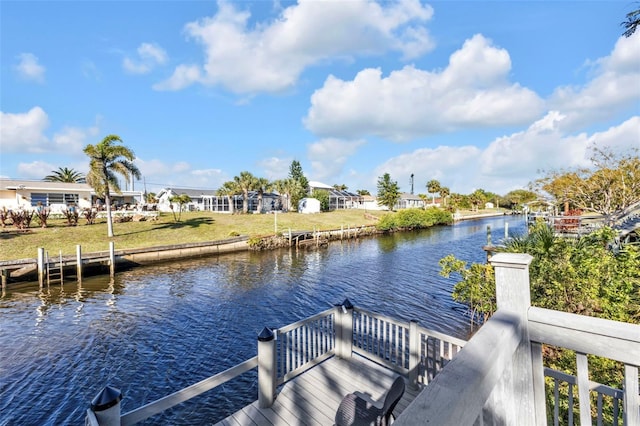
571 405
599 409
583 388
556 405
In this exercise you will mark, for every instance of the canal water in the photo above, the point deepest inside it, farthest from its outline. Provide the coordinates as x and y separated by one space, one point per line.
152 331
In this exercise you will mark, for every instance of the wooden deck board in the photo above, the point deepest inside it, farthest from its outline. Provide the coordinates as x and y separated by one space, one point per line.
313 397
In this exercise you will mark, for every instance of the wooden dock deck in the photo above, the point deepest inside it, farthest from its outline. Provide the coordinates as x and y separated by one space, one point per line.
313 397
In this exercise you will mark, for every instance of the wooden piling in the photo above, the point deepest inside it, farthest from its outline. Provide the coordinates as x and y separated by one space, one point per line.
41 266
112 258
79 262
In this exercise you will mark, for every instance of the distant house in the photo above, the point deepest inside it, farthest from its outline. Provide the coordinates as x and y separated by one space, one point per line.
338 199
58 196
211 200
409 201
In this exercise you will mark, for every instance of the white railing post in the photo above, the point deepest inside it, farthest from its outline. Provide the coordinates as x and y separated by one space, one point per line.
513 294
266 368
106 407
631 397
344 329
414 353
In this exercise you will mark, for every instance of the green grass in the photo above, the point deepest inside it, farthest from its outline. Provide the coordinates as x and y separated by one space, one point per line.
193 227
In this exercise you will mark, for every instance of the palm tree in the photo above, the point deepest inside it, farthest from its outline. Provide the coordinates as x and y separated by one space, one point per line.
444 193
229 189
180 200
107 159
286 188
433 186
262 185
246 182
64 174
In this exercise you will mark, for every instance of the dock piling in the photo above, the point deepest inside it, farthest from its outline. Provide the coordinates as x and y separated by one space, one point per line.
266 368
79 262
112 258
41 266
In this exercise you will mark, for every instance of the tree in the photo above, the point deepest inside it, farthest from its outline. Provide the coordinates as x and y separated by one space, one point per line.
433 186
362 192
107 159
301 188
341 187
612 185
516 198
632 22
245 182
180 200
150 197
444 193
229 189
262 185
321 195
64 174
388 191
478 198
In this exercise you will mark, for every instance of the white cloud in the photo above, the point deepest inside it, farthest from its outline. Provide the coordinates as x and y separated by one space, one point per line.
149 55
544 147
36 169
615 85
276 167
328 157
472 92
452 166
24 132
29 68
159 174
271 56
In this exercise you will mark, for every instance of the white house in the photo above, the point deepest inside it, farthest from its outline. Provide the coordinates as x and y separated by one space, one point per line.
27 194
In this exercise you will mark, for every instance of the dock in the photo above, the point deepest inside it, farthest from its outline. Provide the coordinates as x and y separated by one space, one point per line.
313 398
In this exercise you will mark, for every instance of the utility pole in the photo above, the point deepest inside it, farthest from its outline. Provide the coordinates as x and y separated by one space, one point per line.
411 183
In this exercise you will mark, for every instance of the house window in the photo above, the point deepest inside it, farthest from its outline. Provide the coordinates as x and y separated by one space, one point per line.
47 199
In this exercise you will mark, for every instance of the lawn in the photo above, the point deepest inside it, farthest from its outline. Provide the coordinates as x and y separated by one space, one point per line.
193 227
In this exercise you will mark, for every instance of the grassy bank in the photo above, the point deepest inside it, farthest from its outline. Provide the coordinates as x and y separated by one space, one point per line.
193 227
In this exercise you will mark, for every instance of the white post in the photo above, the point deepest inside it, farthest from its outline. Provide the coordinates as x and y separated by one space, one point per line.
414 353
79 262
275 222
266 368
41 266
513 294
344 329
631 397
112 258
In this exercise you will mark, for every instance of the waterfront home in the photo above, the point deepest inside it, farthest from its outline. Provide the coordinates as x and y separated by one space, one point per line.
57 196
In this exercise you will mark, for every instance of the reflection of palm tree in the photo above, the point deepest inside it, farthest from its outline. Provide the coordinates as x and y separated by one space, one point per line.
107 160
64 174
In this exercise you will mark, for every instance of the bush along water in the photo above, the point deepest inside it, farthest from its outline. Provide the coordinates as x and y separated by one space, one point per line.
410 219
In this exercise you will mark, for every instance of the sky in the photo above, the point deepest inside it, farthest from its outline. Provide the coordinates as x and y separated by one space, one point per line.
475 94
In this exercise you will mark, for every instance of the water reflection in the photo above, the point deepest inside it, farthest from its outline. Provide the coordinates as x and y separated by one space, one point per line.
152 331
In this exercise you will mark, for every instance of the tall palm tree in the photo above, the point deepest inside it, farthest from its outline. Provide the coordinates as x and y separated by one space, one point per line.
433 186
262 185
286 188
246 182
64 174
444 193
107 159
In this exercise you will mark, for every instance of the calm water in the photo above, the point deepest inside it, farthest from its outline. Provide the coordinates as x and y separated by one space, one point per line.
153 331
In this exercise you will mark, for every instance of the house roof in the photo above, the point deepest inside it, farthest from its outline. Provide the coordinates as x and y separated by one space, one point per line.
40 185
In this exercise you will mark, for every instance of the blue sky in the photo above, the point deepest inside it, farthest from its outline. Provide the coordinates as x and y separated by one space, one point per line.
476 94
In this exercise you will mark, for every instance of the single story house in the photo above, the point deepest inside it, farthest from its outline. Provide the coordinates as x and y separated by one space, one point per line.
211 200
337 199
58 196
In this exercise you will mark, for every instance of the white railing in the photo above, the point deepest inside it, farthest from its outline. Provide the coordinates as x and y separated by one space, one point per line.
403 347
304 344
498 378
